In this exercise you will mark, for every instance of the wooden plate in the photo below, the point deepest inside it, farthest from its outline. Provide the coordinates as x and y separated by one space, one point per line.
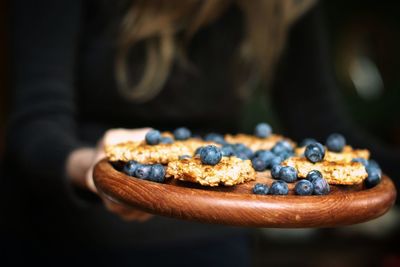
238 206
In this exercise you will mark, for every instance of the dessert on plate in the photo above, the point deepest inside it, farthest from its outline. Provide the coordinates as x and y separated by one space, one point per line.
228 160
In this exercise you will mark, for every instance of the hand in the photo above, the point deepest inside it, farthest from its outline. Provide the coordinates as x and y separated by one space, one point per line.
81 162
113 137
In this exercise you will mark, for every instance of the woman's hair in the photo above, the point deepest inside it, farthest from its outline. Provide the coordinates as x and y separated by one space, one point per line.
157 23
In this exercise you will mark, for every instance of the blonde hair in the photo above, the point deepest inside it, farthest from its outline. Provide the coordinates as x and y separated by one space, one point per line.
158 22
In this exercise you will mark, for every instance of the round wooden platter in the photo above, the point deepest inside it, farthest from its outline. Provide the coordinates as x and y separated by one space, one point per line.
236 205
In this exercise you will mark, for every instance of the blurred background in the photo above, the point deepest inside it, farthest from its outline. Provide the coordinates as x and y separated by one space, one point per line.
3 70
364 41
364 38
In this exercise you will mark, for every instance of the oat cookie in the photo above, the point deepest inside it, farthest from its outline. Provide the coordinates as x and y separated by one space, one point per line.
151 154
346 155
229 171
341 172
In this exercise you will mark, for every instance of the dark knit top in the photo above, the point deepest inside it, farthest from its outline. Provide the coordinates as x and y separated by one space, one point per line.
65 97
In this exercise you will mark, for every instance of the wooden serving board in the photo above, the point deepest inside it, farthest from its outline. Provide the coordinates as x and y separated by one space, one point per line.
236 205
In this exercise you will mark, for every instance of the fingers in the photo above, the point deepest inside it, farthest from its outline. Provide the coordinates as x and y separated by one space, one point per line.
100 154
90 181
112 137
77 164
138 216
115 136
126 213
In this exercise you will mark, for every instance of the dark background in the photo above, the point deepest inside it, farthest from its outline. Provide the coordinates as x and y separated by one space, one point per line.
364 42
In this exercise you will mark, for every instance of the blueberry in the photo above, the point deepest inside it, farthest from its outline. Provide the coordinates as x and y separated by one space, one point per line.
157 173
143 171
374 176
279 188
214 137
130 168
259 164
303 188
227 150
286 145
275 161
264 154
260 189
241 155
288 174
239 147
373 164
321 186
210 155
153 137
314 152
361 160
184 157
307 141
259 152
314 174
262 130
182 133
166 140
275 171
286 155
242 149
321 147
198 150
335 142
282 147
248 152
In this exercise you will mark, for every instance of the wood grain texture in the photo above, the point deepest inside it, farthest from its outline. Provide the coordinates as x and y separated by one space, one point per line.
238 206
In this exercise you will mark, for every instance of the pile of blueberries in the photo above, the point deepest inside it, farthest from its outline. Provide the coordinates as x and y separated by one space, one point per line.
151 172
153 137
154 172
271 159
261 160
315 152
211 155
374 171
241 151
314 184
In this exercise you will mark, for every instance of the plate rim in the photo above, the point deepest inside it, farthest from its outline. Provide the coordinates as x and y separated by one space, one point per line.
239 209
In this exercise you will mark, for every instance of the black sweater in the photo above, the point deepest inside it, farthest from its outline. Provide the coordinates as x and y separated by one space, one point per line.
65 97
